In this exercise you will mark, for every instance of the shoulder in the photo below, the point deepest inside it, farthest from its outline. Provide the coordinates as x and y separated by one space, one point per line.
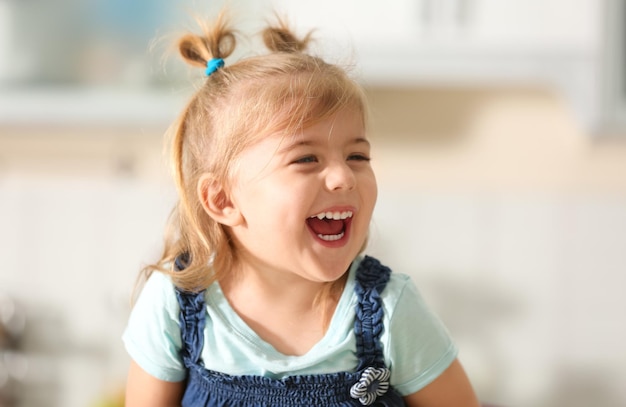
159 290
156 306
417 345
400 295
152 335
392 285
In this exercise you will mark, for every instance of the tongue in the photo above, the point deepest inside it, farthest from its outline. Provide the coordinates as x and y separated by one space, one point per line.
325 226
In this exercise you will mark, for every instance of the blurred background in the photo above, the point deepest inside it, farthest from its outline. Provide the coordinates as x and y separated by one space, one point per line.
499 144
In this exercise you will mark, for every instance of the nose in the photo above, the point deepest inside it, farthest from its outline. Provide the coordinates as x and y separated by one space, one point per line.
339 176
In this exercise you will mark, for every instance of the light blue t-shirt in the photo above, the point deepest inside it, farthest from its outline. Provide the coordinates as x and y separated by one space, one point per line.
417 347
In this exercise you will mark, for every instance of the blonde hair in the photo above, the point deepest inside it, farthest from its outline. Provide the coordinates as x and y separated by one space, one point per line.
286 90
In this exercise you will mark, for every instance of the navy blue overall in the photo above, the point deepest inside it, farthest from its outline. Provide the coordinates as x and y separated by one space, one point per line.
368 384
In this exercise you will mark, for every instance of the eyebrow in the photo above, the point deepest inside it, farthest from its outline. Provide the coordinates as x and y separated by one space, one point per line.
305 143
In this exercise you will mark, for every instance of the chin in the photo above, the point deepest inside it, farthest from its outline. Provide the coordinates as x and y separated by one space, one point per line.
335 270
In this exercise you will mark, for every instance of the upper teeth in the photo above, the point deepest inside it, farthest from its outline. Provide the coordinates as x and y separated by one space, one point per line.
333 215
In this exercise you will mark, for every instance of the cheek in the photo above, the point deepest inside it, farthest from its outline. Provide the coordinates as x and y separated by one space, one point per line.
374 186
370 189
265 205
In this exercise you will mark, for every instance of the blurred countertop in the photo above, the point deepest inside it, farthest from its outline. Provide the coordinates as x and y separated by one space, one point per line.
88 106
570 72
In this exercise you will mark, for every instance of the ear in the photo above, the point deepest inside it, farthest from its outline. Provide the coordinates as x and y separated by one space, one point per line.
216 201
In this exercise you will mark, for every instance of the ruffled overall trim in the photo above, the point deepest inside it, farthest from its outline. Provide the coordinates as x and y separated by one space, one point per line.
367 385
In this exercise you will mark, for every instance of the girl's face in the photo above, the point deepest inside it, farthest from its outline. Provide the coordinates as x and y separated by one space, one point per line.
305 200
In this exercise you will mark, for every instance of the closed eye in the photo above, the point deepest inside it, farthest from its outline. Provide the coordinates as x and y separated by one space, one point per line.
359 157
306 159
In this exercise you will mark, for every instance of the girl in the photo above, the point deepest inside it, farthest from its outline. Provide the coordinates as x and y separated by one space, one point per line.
261 296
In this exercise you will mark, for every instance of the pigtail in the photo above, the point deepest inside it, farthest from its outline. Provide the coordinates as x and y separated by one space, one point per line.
280 38
217 41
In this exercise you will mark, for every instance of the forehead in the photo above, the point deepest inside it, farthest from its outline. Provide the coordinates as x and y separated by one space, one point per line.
291 103
344 127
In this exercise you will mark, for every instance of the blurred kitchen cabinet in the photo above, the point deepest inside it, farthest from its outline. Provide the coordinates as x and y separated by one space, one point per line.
455 39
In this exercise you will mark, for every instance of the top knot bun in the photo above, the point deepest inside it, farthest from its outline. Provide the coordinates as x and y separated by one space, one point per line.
218 41
279 38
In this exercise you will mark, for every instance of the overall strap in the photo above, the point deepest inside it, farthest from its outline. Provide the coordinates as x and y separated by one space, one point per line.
192 319
371 279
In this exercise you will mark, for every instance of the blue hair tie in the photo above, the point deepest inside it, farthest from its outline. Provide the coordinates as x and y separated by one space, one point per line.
213 65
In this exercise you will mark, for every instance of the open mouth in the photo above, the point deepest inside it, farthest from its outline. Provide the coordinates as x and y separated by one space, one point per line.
330 226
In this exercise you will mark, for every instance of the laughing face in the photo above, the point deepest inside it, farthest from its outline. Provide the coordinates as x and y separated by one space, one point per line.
304 201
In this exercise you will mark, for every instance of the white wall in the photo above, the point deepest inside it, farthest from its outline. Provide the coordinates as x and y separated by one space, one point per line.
511 221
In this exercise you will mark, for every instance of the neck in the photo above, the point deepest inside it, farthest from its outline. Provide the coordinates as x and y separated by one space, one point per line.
285 310
294 292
